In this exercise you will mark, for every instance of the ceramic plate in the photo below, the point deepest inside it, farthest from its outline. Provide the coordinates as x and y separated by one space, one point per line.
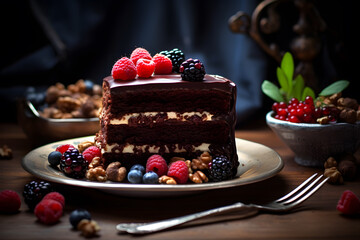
257 163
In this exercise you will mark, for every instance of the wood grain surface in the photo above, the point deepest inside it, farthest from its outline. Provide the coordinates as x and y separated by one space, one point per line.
317 218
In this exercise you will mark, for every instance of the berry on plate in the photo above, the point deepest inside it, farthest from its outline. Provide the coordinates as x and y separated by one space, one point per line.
220 169
138 167
91 152
9 201
157 164
139 53
135 176
124 69
64 147
73 163
54 158
163 64
48 211
150 178
179 171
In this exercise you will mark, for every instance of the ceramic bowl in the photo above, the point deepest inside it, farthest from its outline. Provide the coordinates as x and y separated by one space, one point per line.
314 143
42 130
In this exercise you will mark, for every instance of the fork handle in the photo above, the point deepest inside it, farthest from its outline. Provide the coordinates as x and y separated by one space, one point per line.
143 228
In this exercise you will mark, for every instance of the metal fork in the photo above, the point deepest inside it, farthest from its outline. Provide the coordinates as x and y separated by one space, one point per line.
285 203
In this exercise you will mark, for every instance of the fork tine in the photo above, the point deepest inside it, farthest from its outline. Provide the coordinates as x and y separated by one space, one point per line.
309 193
296 189
305 190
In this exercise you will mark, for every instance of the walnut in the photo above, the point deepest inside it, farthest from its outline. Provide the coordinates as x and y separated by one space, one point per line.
5 152
198 164
96 174
80 84
95 162
167 180
334 175
333 98
188 164
323 120
347 115
330 162
198 177
88 107
205 157
348 103
174 159
115 172
84 145
67 104
88 228
348 169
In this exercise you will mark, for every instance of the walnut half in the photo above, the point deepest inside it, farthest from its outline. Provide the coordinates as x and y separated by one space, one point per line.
115 172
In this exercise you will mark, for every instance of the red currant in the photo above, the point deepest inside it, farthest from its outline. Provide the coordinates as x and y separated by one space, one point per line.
294 119
282 112
309 100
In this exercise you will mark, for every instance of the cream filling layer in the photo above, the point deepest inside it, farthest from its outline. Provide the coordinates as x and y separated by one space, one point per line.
130 148
206 116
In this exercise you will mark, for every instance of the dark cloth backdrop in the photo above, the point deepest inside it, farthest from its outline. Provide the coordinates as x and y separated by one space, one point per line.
45 42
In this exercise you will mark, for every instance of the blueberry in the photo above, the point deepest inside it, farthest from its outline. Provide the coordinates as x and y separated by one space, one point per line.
54 158
138 167
150 178
135 176
89 85
77 215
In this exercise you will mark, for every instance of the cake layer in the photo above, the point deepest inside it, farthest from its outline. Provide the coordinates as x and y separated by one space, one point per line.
167 93
171 131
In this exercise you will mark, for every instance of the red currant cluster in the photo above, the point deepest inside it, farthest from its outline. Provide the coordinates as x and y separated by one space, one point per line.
303 111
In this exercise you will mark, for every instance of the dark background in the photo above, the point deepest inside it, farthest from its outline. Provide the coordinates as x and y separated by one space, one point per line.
44 42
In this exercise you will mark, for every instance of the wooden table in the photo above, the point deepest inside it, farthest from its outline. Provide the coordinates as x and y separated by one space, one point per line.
316 219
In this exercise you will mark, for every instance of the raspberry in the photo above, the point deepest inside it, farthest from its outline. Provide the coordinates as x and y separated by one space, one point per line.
179 171
163 64
9 201
145 68
91 152
48 211
157 164
349 203
55 196
63 148
139 53
192 70
124 69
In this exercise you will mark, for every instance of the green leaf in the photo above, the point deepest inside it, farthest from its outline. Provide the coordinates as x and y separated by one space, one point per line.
307 92
282 79
287 65
336 87
298 86
272 91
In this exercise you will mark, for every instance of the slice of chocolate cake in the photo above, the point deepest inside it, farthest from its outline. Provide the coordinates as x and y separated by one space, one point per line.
167 116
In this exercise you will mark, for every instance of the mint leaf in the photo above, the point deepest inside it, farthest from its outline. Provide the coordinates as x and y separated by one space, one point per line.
287 65
298 86
272 91
307 92
336 87
282 79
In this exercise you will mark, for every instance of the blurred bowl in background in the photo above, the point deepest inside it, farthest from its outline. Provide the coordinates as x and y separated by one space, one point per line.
42 130
314 143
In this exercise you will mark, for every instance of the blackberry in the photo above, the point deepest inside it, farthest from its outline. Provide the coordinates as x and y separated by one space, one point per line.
192 70
176 56
220 169
73 164
34 192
